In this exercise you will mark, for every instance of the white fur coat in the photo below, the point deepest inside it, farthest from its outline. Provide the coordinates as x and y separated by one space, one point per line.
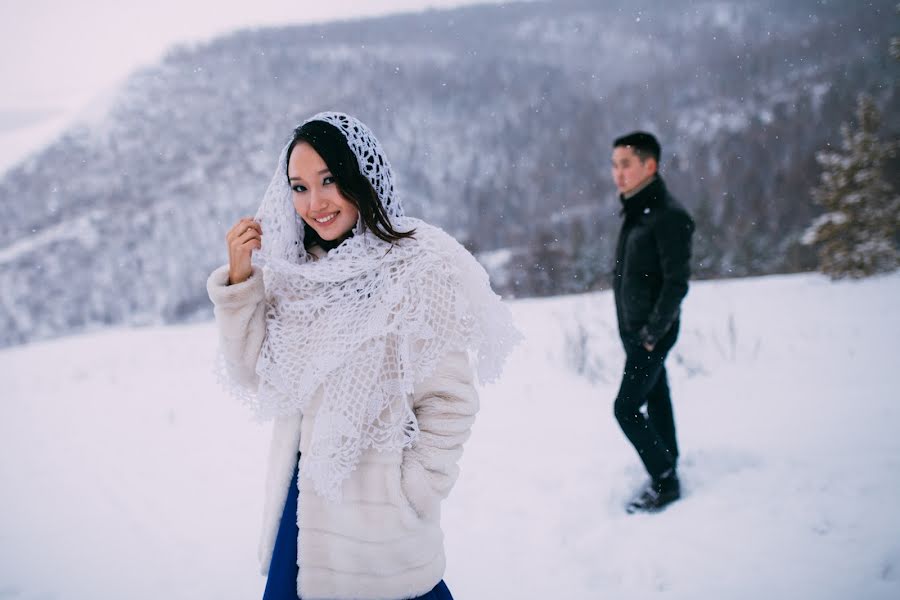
384 540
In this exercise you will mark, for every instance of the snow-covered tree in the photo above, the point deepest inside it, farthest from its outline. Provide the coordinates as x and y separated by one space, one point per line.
857 234
895 42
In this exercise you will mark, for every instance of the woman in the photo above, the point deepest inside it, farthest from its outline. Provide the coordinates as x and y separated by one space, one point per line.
354 328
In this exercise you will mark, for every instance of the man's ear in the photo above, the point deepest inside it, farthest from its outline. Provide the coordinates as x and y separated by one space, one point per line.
654 166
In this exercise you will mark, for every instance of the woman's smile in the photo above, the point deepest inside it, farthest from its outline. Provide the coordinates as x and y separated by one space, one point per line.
327 218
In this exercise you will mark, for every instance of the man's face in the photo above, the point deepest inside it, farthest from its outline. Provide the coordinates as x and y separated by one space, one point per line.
628 170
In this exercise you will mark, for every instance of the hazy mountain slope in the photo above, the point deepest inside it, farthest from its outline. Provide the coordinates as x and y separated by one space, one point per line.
498 120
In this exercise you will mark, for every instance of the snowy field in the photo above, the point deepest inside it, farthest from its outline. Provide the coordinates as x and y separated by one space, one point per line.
126 474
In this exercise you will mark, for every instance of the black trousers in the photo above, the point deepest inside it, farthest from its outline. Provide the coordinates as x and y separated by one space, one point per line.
644 382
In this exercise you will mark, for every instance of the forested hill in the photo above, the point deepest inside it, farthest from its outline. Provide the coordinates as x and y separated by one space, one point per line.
498 120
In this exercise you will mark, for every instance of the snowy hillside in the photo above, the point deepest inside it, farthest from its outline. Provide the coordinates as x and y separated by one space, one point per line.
17 142
127 474
498 119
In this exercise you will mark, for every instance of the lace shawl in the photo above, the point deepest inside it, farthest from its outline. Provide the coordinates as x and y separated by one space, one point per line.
365 323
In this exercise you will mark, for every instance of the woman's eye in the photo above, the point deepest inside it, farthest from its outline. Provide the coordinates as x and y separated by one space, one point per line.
299 188
328 180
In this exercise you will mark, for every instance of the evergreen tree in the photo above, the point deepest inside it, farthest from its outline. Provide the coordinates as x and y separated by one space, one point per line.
857 234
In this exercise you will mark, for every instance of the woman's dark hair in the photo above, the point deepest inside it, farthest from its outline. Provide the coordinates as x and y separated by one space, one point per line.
328 141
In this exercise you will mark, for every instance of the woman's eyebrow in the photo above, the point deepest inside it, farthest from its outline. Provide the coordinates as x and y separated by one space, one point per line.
322 172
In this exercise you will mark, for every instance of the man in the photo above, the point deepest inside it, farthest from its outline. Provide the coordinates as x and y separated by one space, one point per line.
650 280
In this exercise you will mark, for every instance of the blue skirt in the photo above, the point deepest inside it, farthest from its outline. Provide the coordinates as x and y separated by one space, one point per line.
282 581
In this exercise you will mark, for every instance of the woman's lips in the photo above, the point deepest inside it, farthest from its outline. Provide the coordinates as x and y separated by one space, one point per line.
326 220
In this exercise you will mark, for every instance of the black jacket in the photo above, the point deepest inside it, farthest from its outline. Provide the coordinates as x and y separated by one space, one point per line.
653 257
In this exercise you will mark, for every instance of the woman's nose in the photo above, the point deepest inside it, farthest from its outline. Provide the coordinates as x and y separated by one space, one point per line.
316 202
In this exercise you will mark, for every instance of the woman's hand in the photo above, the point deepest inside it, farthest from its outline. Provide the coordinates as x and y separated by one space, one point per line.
243 239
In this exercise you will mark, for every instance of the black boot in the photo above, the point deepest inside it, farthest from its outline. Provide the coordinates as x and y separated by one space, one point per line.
658 494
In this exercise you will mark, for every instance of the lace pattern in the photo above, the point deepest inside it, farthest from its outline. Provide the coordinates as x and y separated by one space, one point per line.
364 324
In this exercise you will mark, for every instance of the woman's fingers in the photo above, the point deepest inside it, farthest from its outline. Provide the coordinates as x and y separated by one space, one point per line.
244 237
241 227
249 234
236 229
241 247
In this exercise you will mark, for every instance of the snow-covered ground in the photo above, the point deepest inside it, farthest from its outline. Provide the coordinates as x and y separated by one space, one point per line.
127 474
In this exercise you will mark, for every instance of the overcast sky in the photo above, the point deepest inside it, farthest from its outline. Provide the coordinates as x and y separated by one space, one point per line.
58 54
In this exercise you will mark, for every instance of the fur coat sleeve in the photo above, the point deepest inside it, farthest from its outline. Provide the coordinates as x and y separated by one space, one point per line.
445 405
240 311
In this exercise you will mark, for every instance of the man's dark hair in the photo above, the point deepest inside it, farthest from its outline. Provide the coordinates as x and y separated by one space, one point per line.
644 145
328 141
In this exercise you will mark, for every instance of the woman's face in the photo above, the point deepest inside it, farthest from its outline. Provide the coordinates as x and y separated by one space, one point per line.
316 196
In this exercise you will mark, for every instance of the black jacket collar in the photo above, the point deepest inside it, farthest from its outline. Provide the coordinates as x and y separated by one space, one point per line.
649 197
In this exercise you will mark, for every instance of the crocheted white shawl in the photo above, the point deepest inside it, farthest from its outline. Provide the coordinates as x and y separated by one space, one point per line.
365 323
